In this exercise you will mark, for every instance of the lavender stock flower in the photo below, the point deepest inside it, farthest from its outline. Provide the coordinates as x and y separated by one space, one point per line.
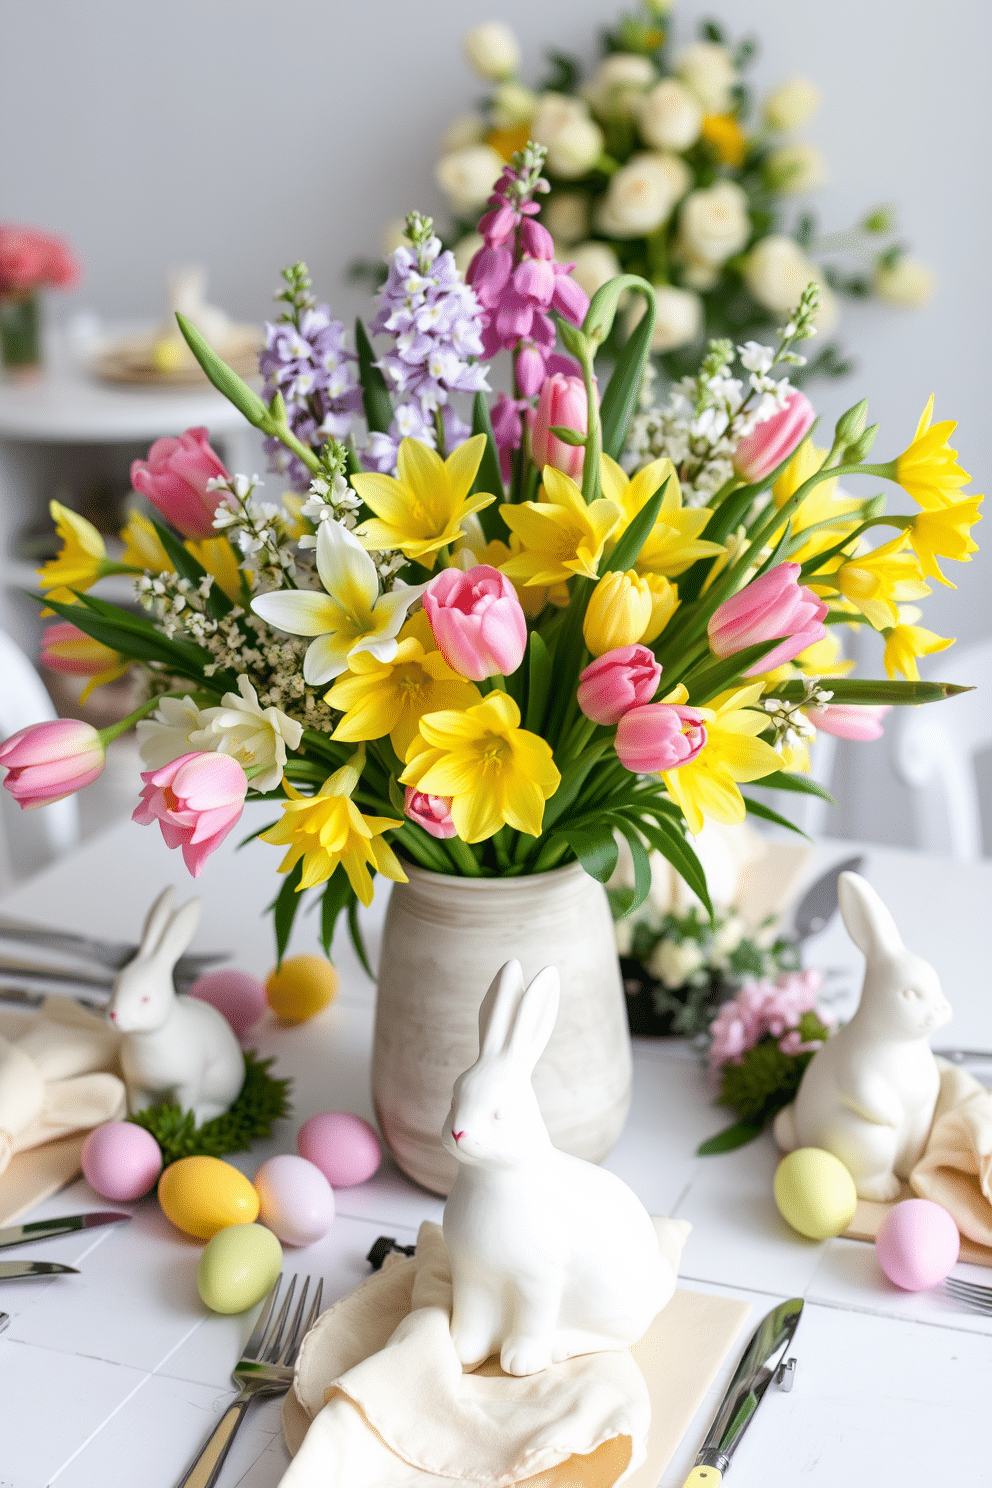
305 358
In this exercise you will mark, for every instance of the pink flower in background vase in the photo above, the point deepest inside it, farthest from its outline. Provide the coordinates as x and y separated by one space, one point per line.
174 478
34 260
433 813
562 404
773 441
859 721
477 620
659 737
765 1007
617 681
196 800
772 606
50 761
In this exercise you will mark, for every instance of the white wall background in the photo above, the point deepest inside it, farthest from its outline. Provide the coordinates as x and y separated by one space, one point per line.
246 133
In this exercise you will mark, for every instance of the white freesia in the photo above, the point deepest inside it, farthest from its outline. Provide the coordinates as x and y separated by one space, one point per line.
573 140
167 735
708 70
906 282
512 105
566 216
595 265
777 271
670 117
351 616
796 168
465 250
791 104
493 50
679 320
673 962
616 89
713 225
467 176
642 194
249 733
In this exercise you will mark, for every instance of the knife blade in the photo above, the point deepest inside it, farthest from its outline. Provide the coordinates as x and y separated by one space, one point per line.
819 904
761 1361
68 1224
13 1270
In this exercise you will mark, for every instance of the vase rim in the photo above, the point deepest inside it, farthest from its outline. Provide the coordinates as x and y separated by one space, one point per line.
417 874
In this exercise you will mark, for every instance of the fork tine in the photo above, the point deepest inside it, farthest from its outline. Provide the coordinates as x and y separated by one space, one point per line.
975 1297
272 1343
311 1318
253 1348
970 1289
293 1336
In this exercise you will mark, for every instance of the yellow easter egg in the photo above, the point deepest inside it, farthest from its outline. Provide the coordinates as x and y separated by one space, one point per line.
201 1195
815 1193
301 987
238 1266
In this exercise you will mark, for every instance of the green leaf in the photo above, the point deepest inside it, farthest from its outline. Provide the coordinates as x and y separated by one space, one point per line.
191 568
620 397
488 477
603 307
333 900
357 939
855 690
375 396
539 684
628 549
572 779
642 863
572 338
568 436
595 847
132 637
785 780
284 906
714 677
223 377
729 1139
665 836
758 808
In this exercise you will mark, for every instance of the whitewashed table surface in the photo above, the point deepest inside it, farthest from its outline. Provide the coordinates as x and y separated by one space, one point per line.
112 1379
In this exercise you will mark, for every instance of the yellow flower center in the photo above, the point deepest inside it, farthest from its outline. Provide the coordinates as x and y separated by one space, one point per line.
494 752
411 681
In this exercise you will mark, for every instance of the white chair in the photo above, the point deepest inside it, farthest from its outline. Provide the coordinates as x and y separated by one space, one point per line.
29 840
934 754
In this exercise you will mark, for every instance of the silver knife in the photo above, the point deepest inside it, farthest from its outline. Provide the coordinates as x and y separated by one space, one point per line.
819 904
12 1270
764 1360
45 1229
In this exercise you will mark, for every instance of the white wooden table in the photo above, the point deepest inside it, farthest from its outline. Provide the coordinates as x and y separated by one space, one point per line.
112 1379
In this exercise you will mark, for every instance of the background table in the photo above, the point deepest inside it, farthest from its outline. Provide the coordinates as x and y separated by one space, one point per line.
116 1376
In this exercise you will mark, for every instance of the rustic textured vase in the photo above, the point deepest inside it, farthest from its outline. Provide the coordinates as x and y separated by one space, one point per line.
445 939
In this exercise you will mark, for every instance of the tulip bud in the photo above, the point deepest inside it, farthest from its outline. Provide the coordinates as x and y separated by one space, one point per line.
850 425
562 403
616 682
175 478
49 761
433 813
771 607
196 800
493 50
774 440
618 613
478 622
659 737
664 603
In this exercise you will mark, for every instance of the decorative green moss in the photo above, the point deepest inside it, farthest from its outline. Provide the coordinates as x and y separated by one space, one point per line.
263 1100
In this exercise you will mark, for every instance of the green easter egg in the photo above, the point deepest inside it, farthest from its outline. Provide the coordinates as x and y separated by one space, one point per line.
815 1193
238 1266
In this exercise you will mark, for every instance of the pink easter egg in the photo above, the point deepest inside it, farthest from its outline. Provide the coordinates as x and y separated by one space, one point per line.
235 993
121 1160
917 1244
295 1199
341 1145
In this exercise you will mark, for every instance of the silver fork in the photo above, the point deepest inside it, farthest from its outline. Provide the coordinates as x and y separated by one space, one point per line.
977 1297
264 1369
113 954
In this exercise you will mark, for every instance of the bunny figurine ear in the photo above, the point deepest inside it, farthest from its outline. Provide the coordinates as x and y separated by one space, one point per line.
178 933
156 920
868 921
498 1008
535 1020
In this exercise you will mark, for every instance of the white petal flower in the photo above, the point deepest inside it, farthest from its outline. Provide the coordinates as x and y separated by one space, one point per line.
167 735
251 734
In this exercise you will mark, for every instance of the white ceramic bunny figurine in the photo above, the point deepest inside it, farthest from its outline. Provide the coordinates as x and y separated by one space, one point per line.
550 1255
868 1094
175 1049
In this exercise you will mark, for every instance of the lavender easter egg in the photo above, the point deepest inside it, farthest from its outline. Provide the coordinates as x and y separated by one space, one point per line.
341 1145
121 1160
295 1199
237 994
917 1244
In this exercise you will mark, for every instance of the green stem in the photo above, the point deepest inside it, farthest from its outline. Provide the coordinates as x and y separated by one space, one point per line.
114 730
464 857
591 481
550 856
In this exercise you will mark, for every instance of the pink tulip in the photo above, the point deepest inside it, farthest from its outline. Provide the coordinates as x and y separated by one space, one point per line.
859 721
658 737
774 605
433 813
50 761
174 478
563 405
616 682
775 439
196 800
65 648
477 621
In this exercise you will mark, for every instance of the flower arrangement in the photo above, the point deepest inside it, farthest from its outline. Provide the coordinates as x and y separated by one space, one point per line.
29 261
658 167
489 654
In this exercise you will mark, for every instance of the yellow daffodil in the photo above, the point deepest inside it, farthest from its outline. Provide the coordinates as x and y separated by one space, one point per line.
707 785
495 772
423 510
945 531
379 697
143 547
673 544
559 535
351 616
82 560
928 469
328 829
822 504
619 612
723 132
664 603
904 643
221 562
877 581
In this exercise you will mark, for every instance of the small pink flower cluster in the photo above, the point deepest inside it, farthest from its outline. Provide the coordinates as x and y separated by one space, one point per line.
33 260
763 1008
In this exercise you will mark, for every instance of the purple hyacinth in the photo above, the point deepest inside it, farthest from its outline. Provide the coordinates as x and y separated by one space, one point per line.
305 358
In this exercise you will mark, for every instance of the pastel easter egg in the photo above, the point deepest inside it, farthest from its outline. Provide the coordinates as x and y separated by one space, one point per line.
300 987
917 1244
121 1160
341 1145
235 993
238 1266
815 1193
202 1195
295 1199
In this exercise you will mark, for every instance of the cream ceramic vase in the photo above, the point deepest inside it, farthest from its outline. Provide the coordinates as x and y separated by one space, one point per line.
444 940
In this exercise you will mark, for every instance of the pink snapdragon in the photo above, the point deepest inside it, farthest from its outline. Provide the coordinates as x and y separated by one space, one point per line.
659 737
196 800
433 813
859 721
772 606
617 681
174 478
562 404
477 620
762 1008
49 761
774 440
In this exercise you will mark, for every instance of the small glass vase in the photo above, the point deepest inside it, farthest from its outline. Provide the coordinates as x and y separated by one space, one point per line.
20 334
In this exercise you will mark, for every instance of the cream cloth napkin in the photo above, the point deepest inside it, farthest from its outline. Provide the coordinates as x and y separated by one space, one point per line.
400 1413
956 1168
57 1075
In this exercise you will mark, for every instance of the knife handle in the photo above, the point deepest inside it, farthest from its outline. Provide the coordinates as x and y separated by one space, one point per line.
703 1477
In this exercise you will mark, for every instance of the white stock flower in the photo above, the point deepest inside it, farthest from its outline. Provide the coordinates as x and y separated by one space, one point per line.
679 320
465 250
713 225
467 129
777 271
493 50
566 216
726 940
619 82
512 105
906 282
467 176
595 265
573 140
673 962
249 733
791 104
708 70
167 735
642 195
793 169
670 117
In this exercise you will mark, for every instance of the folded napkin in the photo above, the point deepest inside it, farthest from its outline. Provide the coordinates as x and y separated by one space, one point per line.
956 1168
389 1405
57 1075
